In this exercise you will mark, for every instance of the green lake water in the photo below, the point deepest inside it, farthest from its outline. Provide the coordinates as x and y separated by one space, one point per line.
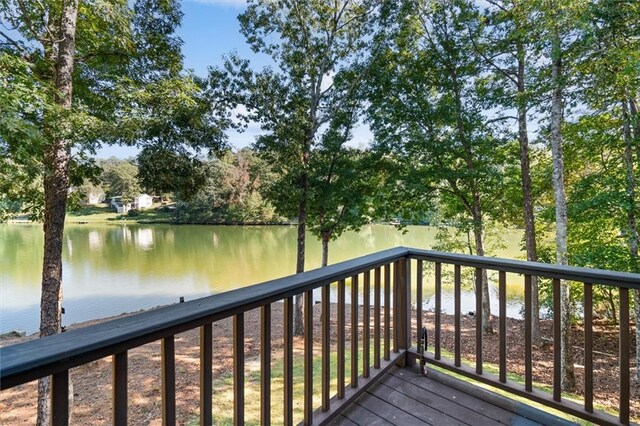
110 269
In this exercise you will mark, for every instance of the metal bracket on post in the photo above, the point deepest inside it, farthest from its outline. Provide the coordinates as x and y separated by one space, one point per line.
422 348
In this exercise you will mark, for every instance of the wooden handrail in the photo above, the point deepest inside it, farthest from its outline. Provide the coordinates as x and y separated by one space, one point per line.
547 270
55 355
31 360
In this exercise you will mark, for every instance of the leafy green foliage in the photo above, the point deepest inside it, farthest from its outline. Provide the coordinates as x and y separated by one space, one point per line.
162 170
128 88
120 178
231 192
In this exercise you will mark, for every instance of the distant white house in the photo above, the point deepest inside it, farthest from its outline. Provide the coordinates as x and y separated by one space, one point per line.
142 201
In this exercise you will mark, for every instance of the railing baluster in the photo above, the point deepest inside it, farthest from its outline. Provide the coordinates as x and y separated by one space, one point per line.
308 357
502 296
396 306
366 320
376 319
60 398
527 333
419 304
557 354
479 315
326 349
288 361
438 317
265 365
354 331
457 284
624 355
119 391
387 312
238 369
341 338
206 377
588 347
168 381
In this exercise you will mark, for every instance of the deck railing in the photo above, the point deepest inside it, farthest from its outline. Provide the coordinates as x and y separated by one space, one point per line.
587 277
385 275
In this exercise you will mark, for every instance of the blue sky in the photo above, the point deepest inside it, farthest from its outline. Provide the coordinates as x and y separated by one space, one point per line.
210 30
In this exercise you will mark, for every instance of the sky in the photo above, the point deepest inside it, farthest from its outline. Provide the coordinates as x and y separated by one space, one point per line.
209 31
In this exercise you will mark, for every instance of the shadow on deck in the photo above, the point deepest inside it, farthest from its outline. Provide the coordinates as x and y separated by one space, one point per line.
403 397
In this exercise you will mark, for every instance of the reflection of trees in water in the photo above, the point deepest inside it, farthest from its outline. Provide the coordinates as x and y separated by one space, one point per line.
219 256
21 255
210 258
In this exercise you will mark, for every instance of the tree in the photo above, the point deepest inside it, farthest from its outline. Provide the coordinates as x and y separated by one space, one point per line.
120 178
559 24
230 193
163 170
426 108
341 197
608 65
88 73
309 42
506 43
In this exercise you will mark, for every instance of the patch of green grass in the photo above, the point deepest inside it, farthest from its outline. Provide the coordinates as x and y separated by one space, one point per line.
103 213
92 214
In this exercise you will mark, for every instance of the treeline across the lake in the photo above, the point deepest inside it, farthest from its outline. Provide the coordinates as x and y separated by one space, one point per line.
227 189
522 113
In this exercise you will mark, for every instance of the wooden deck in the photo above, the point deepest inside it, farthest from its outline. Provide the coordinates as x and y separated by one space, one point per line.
402 397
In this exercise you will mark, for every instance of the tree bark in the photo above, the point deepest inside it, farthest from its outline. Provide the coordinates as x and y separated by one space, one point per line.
568 375
325 249
527 196
479 243
57 157
298 324
632 137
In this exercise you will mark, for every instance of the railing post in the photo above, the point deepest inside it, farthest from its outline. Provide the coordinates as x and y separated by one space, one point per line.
402 308
119 388
60 398
168 362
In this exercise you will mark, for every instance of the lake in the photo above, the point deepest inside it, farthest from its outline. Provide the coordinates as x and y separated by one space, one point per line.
109 269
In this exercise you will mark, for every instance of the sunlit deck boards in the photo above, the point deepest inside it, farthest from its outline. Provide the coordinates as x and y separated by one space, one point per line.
401 397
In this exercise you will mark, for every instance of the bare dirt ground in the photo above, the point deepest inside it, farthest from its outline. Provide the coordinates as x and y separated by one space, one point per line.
92 382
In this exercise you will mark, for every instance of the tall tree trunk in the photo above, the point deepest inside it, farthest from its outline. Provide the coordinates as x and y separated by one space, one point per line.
527 196
479 243
568 375
57 157
633 128
298 325
325 248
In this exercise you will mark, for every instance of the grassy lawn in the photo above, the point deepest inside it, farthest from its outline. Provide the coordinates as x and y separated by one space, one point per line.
103 213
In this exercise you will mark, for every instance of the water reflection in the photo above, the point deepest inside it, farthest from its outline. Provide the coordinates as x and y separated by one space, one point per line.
110 269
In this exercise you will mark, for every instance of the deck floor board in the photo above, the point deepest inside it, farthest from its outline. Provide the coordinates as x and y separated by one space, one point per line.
402 397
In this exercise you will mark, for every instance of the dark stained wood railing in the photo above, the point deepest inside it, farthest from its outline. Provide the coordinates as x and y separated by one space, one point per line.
393 334
589 277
